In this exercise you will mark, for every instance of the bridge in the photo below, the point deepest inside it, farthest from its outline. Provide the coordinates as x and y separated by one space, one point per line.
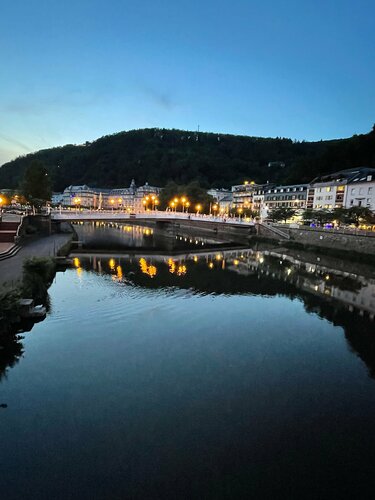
149 216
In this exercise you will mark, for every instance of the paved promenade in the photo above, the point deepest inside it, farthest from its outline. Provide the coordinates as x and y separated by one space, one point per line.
11 269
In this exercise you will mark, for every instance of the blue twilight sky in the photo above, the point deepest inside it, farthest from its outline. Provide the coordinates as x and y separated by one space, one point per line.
74 70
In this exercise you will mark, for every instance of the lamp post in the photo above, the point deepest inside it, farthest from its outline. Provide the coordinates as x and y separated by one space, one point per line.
112 201
239 210
76 202
198 208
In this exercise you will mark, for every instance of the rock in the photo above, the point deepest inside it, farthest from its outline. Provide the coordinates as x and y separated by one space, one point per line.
3 405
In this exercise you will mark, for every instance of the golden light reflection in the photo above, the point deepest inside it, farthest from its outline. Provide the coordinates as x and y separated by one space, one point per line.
112 264
119 272
76 262
181 270
146 268
195 258
171 265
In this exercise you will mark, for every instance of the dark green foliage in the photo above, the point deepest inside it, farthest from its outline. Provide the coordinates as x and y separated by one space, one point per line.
38 273
8 310
349 216
192 191
320 216
36 184
215 160
282 213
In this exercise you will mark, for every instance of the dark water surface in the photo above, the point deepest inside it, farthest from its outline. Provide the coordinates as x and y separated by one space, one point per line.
230 374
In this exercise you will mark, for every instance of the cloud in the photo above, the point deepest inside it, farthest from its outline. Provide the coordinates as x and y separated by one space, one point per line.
161 98
15 142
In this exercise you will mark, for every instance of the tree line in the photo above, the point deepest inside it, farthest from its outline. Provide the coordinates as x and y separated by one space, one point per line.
159 156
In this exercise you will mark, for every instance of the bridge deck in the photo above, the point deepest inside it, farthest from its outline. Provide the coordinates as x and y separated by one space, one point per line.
109 216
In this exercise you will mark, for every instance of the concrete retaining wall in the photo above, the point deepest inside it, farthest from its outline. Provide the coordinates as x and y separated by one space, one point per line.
355 241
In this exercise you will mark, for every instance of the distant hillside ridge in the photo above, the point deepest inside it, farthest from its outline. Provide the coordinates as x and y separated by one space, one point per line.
215 160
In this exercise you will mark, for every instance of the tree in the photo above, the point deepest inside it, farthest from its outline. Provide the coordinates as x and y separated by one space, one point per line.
358 216
36 185
193 192
282 213
308 215
323 216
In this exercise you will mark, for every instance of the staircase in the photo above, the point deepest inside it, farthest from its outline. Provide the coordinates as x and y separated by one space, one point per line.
275 230
8 231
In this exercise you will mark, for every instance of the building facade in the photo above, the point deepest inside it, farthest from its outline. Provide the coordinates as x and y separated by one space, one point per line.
292 196
361 191
130 199
343 189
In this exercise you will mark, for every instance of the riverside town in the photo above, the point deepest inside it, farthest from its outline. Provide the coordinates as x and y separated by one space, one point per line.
187 250
165 313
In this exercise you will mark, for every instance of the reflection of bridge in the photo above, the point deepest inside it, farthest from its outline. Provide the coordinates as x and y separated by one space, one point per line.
196 220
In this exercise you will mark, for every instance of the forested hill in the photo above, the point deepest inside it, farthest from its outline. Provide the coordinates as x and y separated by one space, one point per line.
216 160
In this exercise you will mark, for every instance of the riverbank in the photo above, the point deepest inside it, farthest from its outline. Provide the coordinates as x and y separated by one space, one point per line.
11 269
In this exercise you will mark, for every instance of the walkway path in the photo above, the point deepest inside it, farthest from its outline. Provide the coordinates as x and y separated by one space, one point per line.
11 269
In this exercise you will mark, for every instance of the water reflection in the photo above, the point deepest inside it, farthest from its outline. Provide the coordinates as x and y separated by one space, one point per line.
114 236
266 272
344 298
183 370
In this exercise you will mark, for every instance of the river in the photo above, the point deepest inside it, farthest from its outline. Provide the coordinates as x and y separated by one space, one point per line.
198 373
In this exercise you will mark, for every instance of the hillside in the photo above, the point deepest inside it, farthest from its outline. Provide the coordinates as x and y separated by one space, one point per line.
220 160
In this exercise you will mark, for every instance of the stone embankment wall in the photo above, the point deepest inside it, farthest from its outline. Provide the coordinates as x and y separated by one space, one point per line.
350 241
225 232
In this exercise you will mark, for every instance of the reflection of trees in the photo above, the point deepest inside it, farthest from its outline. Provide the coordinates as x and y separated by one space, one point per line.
11 350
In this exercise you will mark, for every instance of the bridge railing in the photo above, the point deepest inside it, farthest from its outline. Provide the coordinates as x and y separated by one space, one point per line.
82 215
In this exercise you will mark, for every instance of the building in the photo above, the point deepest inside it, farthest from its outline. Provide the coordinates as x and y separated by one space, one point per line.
243 195
226 203
56 199
258 199
133 197
218 194
130 198
360 191
343 189
292 196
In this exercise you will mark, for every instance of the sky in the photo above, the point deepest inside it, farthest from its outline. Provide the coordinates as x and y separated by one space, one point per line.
75 70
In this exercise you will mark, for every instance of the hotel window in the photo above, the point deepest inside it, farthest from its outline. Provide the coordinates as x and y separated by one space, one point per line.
353 191
369 191
328 189
360 190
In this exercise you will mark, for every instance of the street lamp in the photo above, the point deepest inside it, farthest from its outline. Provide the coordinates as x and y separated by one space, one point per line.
239 210
76 202
198 208
112 201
